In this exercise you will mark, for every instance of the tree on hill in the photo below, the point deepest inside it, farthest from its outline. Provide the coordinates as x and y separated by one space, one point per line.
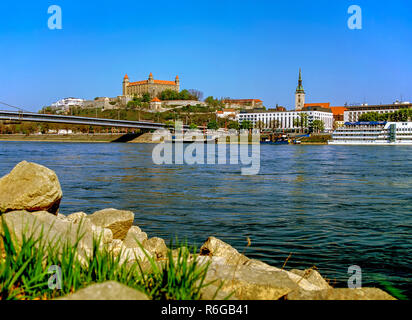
169 94
213 102
146 97
191 94
196 94
132 105
184 95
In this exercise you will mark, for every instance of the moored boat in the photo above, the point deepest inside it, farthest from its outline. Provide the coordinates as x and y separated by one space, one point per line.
373 133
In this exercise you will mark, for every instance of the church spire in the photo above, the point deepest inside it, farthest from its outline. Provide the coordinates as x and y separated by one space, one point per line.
299 89
300 94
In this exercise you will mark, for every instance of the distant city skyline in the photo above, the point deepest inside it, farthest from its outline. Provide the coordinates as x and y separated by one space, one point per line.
236 49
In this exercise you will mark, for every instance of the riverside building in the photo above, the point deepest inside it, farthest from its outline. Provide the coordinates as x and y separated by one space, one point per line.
352 113
287 119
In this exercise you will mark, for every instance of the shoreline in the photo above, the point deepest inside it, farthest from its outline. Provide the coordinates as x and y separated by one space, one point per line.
99 138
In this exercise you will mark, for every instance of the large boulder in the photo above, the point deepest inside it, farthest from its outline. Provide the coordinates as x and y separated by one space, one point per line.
77 217
119 221
116 247
223 253
156 247
109 290
31 187
132 255
52 228
340 294
248 283
255 280
134 235
214 247
314 277
214 292
105 235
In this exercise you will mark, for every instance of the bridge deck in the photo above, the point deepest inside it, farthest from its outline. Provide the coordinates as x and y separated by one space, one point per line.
51 118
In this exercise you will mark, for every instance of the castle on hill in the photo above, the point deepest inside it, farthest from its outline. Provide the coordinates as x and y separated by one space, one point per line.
151 86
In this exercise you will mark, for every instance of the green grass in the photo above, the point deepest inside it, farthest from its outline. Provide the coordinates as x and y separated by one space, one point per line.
180 278
24 269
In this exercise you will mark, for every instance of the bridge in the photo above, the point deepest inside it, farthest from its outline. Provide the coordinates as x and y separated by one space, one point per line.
52 118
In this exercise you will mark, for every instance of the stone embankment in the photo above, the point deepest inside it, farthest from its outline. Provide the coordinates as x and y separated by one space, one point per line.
30 196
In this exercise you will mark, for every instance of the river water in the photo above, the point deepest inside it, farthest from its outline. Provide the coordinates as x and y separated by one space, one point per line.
328 206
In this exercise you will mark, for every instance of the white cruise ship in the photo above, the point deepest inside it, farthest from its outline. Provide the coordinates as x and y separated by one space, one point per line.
373 133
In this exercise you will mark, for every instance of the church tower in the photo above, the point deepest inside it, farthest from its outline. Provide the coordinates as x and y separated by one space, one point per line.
125 84
299 94
150 80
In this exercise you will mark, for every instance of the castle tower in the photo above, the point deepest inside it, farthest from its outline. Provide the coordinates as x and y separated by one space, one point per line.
177 81
299 94
151 78
125 84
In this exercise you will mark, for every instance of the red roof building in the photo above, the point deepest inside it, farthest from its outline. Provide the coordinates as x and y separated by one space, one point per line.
338 113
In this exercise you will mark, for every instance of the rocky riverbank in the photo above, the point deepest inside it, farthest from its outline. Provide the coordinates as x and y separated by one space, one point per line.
29 207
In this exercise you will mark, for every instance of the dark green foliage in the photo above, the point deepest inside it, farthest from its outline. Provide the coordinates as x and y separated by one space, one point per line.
179 278
318 126
213 125
233 125
246 124
146 97
170 94
212 102
397 116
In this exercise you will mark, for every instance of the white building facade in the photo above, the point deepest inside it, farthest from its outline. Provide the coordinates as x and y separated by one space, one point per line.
227 113
354 112
66 103
287 119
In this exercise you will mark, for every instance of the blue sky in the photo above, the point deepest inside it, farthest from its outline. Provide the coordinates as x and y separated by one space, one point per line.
237 49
